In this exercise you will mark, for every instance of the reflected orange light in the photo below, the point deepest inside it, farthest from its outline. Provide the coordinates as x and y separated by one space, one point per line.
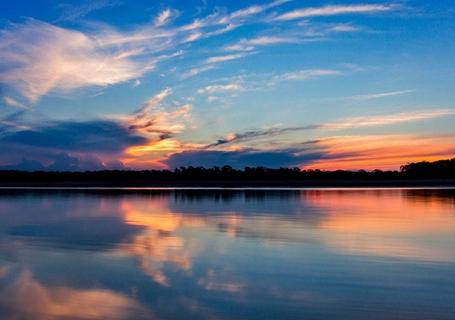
384 224
157 244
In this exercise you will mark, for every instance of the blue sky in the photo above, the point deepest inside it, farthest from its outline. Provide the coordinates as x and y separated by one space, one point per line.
143 84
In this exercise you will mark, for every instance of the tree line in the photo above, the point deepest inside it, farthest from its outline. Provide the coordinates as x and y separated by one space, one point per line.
443 169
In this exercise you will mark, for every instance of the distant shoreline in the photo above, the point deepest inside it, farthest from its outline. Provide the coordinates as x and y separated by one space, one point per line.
422 174
423 183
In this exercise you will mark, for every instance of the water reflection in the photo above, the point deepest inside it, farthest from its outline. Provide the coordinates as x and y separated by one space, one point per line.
204 254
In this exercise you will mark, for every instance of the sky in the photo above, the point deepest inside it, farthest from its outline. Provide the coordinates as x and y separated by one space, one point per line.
117 84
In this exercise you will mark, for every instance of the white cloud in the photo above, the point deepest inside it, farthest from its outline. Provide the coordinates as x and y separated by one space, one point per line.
344 27
154 101
253 10
37 58
193 37
229 87
228 57
213 98
307 74
195 71
13 103
165 17
75 12
332 10
230 21
251 44
377 120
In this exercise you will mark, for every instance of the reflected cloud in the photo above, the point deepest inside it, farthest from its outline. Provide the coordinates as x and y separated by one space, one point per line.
26 298
211 282
158 244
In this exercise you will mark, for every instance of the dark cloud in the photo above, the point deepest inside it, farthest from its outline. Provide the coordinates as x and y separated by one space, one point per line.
255 134
63 162
95 136
240 159
65 145
25 165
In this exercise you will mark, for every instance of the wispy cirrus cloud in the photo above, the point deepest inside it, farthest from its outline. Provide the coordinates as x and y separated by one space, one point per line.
229 87
251 44
234 19
307 74
166 16
372 96
153 102
211 63
36 58
75 12
195 71
252 10
224 58
390 119
219 23
347 123
332 10
10 102
253 82
344 27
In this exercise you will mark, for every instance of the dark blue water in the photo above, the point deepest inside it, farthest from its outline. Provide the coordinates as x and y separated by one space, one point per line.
207 254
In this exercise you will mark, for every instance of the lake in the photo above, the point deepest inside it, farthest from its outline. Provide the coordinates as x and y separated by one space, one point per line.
227 254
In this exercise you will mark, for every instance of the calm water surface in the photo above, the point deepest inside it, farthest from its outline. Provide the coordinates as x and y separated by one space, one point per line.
207 254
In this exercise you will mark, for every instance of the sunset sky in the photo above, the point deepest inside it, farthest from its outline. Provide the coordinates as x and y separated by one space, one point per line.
109 84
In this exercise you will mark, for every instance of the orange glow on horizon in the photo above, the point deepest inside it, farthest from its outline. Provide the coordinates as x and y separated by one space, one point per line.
382 152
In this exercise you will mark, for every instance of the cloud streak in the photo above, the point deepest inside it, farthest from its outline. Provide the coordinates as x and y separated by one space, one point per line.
373 96
391 119
165 17
332 10
224 58
75 12
229 87
251 44
348 123
307 74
